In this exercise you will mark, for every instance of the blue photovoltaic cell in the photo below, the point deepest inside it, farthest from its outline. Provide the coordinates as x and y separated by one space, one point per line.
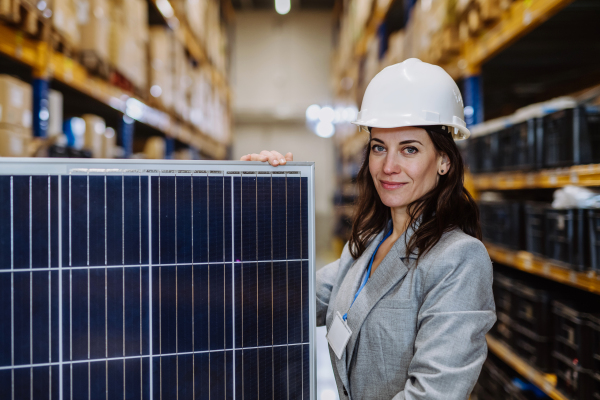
159 250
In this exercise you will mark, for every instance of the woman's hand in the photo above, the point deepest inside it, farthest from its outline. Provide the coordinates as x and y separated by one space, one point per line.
273 157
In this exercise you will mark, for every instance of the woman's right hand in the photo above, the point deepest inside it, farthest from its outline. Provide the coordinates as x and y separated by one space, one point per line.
273 157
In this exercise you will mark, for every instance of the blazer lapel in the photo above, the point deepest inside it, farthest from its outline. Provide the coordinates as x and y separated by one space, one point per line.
345 295
392 269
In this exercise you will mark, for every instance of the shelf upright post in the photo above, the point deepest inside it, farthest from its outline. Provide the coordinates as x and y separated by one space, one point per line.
126 135
41 92
169 147
473 99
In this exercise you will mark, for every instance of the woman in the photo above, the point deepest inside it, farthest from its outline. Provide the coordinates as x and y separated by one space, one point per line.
409 302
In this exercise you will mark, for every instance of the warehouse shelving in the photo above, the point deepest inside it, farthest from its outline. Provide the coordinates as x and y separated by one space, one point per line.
547 268
184 34
47 63
520 18
580 175
546 382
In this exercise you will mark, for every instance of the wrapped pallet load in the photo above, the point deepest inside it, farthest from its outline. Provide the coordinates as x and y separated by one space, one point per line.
15 117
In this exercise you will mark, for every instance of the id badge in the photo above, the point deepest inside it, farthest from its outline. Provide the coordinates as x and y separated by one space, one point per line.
338 335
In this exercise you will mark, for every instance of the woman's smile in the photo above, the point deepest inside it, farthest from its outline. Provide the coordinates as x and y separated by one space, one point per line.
390 185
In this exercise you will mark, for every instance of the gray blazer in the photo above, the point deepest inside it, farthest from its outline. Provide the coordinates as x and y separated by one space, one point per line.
418 332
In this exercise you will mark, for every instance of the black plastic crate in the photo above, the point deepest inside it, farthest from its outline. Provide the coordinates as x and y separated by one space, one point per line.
575 382
534 349
566 237
496 384
535 217
501 223
593 220
474 155
571 137
502 287
517 146
488 152
532 309
595 384
594 326
573 335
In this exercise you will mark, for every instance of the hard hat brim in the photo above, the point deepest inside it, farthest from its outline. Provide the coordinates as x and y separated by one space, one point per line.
460 132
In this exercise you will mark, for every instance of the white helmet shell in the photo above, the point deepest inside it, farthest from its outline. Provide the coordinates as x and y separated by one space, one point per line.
413 93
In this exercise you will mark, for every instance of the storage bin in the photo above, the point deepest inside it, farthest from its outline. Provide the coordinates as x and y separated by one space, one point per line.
533 348
535 227
488 150
573 335
517 146
566 237
532 309
572 380
594 326
501 223
502 287
571 137
593 221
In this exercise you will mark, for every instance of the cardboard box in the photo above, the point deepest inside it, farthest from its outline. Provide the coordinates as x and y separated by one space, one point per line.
55 108
161 63
64 20
14 141
93 18
15 102
95 128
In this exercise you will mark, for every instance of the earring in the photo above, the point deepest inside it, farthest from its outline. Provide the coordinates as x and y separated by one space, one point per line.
442 172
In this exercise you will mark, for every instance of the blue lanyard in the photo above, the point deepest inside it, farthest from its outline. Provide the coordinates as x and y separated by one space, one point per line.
368 272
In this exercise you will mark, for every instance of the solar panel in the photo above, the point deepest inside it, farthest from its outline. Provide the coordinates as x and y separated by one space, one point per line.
162 280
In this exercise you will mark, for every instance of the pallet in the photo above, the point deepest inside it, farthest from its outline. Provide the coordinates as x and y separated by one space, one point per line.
25 15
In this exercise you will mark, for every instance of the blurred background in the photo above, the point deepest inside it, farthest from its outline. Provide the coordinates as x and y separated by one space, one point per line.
217 79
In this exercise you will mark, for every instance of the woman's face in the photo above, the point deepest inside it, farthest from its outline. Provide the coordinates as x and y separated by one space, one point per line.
404 164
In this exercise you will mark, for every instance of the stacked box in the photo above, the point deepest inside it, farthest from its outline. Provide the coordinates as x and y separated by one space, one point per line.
162 42
15 117
93 19
95 128
182 82
64 20
128 40
55 108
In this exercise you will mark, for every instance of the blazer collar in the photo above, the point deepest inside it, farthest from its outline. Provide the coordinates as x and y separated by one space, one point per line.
391 270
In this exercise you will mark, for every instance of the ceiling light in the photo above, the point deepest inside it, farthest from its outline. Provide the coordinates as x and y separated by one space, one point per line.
326 114
283 6
325 129
312 112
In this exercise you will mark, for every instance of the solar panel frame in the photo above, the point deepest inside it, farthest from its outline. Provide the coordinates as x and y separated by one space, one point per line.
51 168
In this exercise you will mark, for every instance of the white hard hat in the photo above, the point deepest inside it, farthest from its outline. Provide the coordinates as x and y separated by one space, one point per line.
413 93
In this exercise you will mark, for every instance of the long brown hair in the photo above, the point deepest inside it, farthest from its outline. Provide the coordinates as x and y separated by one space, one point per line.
447 206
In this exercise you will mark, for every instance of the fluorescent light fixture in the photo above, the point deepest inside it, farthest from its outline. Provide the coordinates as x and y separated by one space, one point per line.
351 113
283 6
326 114
325 129
312 112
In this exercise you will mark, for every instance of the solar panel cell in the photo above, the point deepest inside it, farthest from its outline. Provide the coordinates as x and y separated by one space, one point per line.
114 220
20 221
96 221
